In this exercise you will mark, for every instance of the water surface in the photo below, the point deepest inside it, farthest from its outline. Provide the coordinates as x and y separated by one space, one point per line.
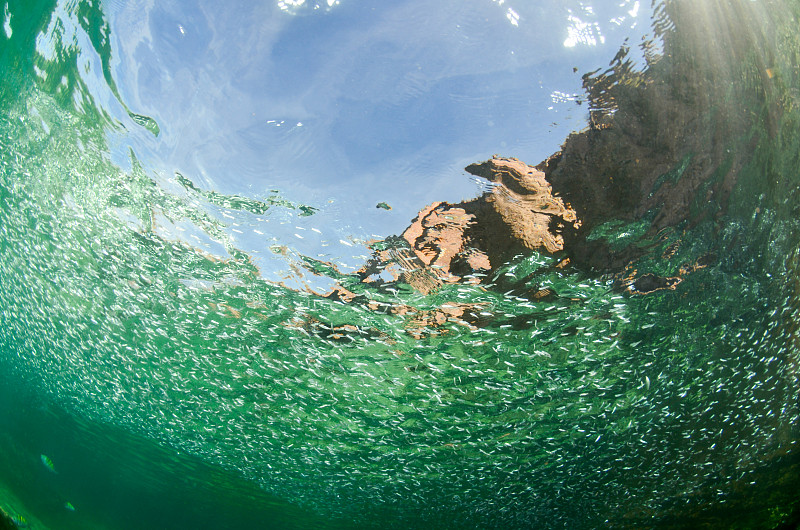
183 186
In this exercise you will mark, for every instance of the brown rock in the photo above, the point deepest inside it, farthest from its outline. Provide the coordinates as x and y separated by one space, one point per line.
437 234
520 213
523 200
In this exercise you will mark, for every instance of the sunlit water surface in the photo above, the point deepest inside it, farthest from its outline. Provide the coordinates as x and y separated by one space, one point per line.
180 186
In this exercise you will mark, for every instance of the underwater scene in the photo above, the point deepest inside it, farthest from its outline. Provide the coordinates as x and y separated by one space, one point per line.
346 264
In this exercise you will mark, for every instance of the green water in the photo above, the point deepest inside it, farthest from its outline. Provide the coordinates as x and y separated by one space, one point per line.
174 386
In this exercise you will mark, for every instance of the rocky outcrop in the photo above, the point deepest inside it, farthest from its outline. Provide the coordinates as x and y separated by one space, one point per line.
660 149
520 213
454 241
438 235
448 243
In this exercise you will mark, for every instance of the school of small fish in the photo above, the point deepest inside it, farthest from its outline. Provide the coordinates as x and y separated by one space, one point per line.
595 401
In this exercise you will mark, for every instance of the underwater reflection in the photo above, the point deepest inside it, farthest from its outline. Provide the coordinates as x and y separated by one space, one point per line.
242 284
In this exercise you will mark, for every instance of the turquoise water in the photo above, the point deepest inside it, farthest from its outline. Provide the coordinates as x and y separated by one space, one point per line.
166 343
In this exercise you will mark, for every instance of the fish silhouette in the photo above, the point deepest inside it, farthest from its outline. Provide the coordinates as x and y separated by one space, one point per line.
48 463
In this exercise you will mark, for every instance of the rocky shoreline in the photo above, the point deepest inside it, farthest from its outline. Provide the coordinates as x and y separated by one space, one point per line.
663 150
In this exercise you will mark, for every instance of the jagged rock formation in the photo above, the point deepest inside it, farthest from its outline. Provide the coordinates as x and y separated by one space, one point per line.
519 213
447 242
666 143
660 147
